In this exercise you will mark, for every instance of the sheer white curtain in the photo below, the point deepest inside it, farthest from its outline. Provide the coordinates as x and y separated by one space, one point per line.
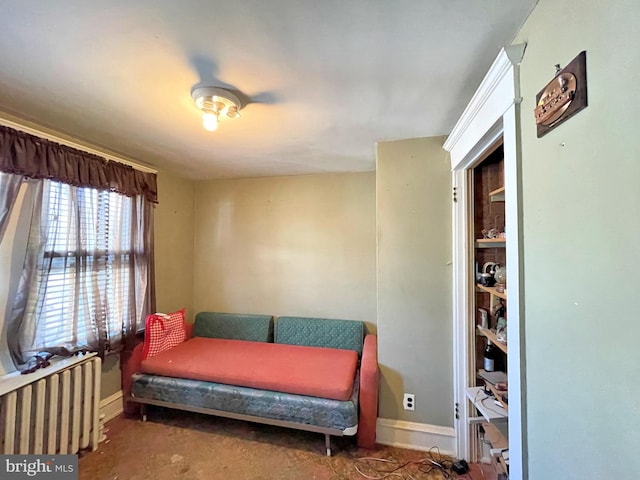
86 279
9 250
9 187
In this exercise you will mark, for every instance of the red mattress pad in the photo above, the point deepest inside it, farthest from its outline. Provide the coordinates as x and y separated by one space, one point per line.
313 371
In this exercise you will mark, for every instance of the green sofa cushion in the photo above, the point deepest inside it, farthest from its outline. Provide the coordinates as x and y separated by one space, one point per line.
320 332
234 326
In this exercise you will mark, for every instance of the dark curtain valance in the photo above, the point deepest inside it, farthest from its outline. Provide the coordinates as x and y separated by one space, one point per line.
34 157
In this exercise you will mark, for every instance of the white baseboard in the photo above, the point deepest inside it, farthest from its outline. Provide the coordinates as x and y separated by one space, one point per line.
111 406
416 436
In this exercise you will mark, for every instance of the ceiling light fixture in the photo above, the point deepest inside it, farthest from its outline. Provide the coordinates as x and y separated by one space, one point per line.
215 102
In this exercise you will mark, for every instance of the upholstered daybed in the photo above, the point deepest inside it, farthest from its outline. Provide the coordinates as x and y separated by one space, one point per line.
312 374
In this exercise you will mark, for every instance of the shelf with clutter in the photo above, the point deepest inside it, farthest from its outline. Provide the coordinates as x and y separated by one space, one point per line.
488 392
499 342
485 403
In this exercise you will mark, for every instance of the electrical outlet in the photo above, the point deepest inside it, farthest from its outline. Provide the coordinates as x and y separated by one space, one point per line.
409 401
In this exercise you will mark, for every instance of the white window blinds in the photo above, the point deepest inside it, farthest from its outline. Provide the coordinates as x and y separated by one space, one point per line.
85 277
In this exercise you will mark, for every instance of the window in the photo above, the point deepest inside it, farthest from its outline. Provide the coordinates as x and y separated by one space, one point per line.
88 272
85 275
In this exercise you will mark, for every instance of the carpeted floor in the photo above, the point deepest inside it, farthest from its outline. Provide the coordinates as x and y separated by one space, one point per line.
188 446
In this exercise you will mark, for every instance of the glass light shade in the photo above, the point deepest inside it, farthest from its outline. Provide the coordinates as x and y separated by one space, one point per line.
210 121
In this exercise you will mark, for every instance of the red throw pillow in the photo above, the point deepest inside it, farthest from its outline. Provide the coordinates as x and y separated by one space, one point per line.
162 332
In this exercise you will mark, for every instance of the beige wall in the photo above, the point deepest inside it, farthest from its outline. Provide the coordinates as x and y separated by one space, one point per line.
414 280
111 380
581 204
174 243
299 245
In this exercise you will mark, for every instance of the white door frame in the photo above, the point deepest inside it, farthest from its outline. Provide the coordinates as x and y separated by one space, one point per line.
492 112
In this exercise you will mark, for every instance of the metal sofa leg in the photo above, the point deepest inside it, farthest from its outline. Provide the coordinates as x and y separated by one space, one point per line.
143 412
327 443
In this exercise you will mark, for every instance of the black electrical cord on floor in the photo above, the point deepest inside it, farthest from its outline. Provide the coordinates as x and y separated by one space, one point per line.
434 461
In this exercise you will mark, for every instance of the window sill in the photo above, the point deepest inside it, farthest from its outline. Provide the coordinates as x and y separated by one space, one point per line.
15 380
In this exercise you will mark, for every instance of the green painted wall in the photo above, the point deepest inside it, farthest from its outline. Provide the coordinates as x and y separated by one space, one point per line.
413 207
581 220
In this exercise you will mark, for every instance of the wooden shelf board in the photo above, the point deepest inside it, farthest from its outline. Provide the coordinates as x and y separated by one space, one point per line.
500 465
491 242
498 442
503 464
498 394
497 195
490 334
500 376
493 291
486 405
494 436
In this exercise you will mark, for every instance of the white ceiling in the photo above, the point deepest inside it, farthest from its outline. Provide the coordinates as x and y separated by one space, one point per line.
327 78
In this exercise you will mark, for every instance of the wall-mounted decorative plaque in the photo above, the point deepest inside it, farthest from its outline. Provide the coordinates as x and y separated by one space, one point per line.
562 97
